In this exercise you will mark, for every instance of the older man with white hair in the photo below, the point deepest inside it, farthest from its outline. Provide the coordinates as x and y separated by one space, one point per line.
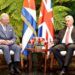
7 43
65 40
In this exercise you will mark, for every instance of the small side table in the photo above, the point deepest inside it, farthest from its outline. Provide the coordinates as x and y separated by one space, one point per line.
34 50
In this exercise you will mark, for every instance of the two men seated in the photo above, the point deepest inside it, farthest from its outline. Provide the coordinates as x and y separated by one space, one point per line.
65 40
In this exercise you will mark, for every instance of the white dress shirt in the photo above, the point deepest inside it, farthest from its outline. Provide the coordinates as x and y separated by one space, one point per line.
69 38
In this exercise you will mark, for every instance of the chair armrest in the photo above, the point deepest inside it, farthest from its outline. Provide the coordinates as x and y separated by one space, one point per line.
11 52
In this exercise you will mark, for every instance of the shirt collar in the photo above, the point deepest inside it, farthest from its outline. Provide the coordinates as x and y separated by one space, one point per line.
70 27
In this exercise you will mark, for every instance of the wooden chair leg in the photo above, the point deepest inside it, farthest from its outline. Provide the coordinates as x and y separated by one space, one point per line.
52 60
45 66
22 64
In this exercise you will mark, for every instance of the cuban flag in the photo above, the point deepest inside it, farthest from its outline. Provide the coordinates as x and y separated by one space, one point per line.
29 27
45 22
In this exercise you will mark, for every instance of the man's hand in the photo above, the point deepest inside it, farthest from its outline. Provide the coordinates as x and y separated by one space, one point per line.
6 42
50 44
9 42
3 42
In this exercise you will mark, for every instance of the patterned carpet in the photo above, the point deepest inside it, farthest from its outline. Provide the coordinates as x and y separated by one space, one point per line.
6 72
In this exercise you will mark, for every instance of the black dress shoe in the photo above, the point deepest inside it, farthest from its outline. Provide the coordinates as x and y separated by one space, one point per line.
16 70
11 72
11 69
62 72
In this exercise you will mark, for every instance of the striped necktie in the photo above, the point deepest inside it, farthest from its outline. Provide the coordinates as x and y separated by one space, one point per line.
67 36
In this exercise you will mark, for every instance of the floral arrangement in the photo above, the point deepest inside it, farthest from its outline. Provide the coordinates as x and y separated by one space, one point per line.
38 42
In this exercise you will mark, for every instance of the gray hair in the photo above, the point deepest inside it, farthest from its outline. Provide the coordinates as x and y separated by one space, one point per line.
3 15
69 17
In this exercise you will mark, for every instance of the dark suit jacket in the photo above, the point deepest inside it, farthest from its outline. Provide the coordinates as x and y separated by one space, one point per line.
61 34
8 34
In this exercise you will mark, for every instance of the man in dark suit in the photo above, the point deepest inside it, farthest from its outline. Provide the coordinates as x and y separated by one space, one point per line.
7 43
65 40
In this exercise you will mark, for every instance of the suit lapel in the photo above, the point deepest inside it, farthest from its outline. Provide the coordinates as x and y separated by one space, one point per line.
73 34
1 29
